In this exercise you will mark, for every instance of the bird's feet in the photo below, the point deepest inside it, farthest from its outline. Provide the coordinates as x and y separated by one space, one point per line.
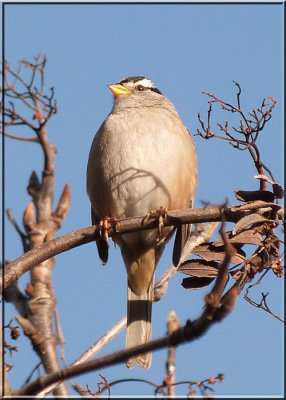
105 224
161 213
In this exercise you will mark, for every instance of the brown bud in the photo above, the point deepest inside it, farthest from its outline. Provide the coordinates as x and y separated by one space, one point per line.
173 322
272 99
277 268
39 116
64 203
34 184
29 289
15 333
29 217
8 367
166 381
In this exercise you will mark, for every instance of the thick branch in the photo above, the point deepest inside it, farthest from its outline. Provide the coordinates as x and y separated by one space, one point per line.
17 268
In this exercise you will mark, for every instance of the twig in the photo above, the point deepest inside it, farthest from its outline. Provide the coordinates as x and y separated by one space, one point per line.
263 304
61 339
249 128
23 236
32 372
25 139
113 383
173 324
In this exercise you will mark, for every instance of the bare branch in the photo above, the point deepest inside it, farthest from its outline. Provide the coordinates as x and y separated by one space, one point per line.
23 236
39 221
263 304
15 269
24 139
248 128
173 324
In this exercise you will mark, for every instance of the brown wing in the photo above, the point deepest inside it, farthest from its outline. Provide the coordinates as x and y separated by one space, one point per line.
102 246
182 235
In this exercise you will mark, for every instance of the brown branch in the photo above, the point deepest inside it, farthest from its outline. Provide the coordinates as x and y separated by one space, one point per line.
23 236
15 116
93 350
14 295
188 333
40 222
17 268
24 139
249 128
263 304
110 384
202 386
60 336
31 97
173 324
37 367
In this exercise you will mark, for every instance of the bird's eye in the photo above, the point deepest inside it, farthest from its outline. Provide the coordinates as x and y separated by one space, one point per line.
140 88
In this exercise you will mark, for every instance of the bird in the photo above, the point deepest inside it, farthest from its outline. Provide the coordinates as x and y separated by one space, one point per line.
142 158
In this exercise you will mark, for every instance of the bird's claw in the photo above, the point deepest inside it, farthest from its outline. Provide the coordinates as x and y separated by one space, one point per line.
161 213
104 225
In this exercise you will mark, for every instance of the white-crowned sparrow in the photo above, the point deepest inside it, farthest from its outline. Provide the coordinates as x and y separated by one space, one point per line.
142 158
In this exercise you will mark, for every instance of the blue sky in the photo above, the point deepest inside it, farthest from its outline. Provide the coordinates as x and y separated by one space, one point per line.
184 49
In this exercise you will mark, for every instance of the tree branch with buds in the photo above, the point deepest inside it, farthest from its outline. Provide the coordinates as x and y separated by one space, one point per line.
40 222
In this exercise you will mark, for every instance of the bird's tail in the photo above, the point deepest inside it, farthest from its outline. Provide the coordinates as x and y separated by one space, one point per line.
139 324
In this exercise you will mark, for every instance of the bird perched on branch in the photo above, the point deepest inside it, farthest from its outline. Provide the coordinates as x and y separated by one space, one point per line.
142 158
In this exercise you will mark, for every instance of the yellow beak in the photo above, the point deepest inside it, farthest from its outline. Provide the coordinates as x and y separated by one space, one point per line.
118 89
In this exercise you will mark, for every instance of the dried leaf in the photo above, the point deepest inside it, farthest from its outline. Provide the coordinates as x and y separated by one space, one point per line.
248 236
199 268
257 259
236 274
264 195
212 253
264 178
278 191
247 221
219 242
196 283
